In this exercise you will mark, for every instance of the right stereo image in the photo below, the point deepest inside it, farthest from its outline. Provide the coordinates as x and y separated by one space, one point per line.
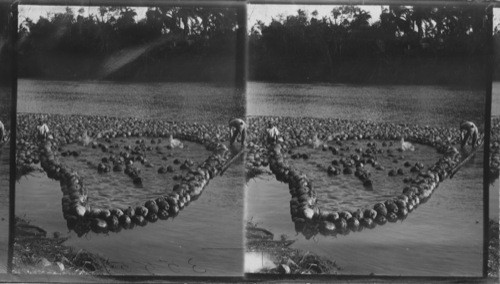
366 140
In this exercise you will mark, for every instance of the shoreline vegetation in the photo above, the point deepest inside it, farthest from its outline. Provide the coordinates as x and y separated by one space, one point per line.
37 253
287 260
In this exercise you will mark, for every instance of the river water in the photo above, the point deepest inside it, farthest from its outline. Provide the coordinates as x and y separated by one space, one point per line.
205 239
423 105
444 236
346 191
192 102
116 189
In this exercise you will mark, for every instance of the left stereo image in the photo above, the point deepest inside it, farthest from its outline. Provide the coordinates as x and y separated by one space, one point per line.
127 163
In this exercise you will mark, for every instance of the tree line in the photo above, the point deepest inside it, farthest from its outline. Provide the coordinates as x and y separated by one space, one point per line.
410 45
116 27
197 31
418 44
6 46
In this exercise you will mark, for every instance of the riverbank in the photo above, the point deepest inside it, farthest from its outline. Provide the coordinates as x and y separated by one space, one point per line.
37 253
287 260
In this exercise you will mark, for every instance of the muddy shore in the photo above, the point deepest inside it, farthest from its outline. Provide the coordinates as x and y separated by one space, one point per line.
37 253
287 260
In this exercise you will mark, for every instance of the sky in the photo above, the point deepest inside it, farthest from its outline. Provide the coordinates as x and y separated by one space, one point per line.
264 13
35 12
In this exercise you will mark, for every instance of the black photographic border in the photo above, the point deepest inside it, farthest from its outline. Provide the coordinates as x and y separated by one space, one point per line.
241 69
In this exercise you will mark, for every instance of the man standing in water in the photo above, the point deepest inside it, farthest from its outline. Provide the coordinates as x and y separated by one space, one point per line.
43 130
237 127
272 133
468 130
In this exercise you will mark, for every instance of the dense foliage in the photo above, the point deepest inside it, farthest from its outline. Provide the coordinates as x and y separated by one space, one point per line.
405 45
6 64
49 45
116 27
6 48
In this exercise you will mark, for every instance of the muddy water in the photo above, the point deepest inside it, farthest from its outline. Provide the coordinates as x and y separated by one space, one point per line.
346 191
422 105
116 189
192 102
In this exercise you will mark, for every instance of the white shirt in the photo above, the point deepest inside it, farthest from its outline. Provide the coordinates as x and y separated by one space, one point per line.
273 132
43 130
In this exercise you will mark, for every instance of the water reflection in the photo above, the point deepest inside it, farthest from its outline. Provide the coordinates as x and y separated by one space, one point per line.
257 261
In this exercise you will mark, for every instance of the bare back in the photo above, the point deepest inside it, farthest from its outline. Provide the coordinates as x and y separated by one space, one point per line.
237 123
